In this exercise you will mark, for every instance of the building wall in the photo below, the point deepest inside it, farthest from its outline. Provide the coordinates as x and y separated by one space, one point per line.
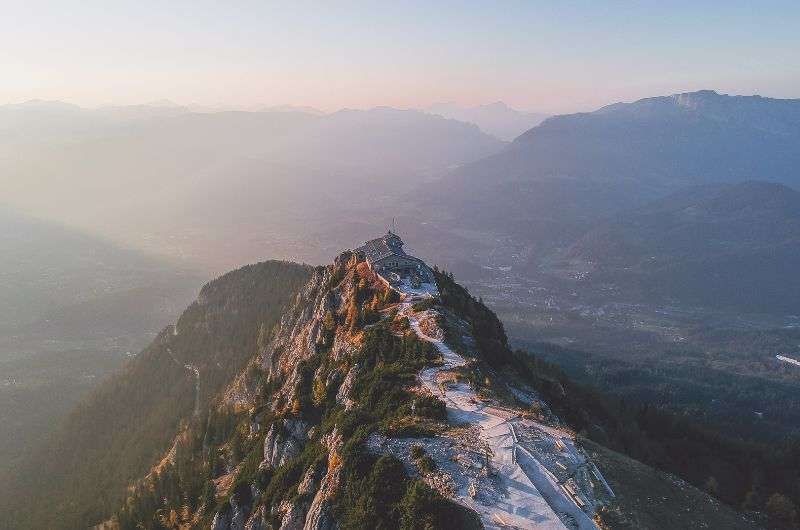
395 262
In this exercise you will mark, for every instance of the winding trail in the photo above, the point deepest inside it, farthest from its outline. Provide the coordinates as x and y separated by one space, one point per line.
196 371
533 498
788 360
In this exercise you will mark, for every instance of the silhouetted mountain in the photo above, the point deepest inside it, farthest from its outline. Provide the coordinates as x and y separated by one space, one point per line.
40 105
154 109
734 246
41 121
38 122
386 137
671 141
292 108
497 119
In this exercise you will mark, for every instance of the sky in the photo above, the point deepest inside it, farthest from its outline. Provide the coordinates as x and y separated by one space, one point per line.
540 56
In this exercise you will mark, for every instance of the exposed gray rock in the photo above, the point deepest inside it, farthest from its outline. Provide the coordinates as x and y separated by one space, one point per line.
239 513
319 515
309 482
343 395
293 516
222 520
284 440
258 520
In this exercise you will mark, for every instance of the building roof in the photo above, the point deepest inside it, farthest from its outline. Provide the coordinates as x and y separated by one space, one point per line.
382 247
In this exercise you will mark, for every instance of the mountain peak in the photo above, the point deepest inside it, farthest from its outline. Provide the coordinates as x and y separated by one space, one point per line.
499 105
707 92
692 99
167 103
497 118
42 105
293 108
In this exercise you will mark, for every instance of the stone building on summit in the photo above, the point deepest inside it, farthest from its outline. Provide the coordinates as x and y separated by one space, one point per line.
385 256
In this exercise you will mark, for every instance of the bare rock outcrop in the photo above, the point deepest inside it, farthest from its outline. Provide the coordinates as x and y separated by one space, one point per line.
258 520
319 515
284 441
222 520
343 394
293 516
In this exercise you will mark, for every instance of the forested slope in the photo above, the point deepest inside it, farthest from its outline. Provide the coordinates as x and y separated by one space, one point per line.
80 474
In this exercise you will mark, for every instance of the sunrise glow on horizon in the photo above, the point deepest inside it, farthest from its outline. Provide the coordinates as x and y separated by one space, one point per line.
531 55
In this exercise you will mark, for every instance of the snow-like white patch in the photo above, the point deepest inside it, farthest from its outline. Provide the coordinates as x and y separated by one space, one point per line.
425 290
523 492
787 360
196 371
524 397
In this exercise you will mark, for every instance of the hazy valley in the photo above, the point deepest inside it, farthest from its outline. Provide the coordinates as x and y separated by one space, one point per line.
644 253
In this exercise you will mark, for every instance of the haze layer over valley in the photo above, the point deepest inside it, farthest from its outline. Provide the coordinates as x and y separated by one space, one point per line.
664 226
220 189
73 308
649 249
399 265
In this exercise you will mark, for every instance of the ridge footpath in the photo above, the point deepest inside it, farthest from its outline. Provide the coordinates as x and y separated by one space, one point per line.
532 496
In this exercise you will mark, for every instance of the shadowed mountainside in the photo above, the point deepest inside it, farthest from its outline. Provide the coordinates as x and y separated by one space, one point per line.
115 434
734 246
575 169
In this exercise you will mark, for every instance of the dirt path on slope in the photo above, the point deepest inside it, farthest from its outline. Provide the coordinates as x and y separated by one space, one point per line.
530 498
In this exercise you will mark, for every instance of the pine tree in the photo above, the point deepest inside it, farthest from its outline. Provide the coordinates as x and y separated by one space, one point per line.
711 486
781 511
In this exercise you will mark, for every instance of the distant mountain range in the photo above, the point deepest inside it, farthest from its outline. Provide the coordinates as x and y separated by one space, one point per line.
165 180
292 108
670 141
225 188
40 122
625 154
497 119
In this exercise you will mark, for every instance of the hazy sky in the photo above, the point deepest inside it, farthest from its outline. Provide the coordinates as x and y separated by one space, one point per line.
331 54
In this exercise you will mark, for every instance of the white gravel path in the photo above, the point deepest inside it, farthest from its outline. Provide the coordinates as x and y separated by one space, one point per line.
524 505
787 360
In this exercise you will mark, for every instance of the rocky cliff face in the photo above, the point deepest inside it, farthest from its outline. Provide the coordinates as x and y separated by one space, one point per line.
275 409
306 329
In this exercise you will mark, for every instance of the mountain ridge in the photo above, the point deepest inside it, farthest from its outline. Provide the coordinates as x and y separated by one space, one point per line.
286 430
497 119
557 180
